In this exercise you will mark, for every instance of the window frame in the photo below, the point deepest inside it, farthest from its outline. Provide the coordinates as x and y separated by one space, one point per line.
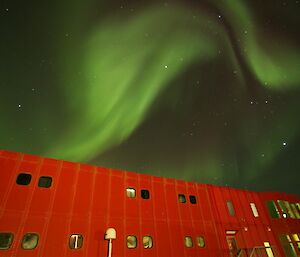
19 179
9 241
128 242
80 240
47 182
36 241
181 198
150 242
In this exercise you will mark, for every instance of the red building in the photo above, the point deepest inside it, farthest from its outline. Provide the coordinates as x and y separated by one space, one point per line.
57 208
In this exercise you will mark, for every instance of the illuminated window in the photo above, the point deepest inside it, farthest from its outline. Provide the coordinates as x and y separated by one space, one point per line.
131 242
23 179
230 208
283 208
268 249
145 194
289 209
294 208
30 241
130 192
188 241
6 240
76 241
254 210
193 199
273 210
181 198
288 246
296 238
45 182
147 242
200 241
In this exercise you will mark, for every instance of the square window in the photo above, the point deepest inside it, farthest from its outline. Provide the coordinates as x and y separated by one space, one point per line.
45 182
188 241
145 194
130 192
23 179
76 241
147 242
200 241
193 199
30 241
6 240
131 242
181 198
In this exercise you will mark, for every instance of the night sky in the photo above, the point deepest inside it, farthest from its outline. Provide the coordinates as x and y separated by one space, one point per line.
205 91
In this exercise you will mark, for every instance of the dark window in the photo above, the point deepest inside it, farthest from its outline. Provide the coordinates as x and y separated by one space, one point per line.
145 194
30 241
6 240
45 182
76 241
273 210
230 208
23 179
193 199
181 198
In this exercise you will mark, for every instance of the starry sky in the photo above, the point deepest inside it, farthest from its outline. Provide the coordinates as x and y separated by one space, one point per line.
205 91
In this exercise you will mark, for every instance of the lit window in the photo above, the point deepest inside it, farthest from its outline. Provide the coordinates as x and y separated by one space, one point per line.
289 209
273 210
131 242
294 208
254 210
188 241
268 249
283 208
181 198
200 241
296 238
147 242
130 192
76 241
23 179
30 241
288 246
230 208
6 240
45 182
193 199
145 194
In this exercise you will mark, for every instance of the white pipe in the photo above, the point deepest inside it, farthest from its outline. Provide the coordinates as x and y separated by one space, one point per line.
109 248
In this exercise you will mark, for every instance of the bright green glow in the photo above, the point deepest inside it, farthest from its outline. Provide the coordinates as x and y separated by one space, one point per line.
275 62
125 66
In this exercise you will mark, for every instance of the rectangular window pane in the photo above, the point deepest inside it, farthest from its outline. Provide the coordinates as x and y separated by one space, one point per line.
145 194
254 210
289 209
30 241
273 210
76 241
147 242
193 199
130 192
45 182
268 249
131 242
23 179
283 208
6 240
200 241
294 208
230 208
181 198
188 241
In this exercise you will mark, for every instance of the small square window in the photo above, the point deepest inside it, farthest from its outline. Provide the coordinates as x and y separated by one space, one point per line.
45 182
6 240
145 194
131 242
200 241
181 198
147 242
193 199
30 241
130 192
188 241
23 179
76 241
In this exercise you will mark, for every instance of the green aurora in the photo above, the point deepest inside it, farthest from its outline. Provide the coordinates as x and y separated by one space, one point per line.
196 92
